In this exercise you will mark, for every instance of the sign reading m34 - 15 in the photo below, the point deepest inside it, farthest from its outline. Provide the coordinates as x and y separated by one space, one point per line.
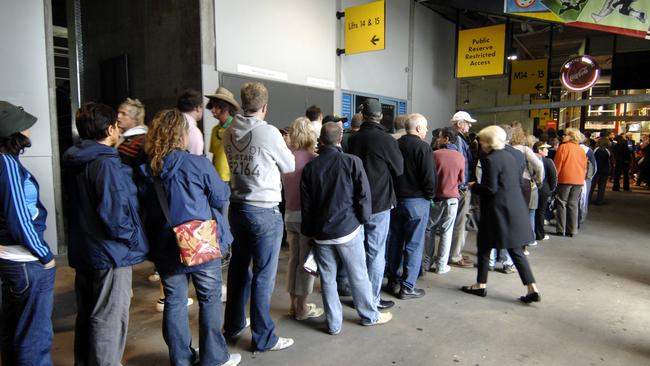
364 27
529 76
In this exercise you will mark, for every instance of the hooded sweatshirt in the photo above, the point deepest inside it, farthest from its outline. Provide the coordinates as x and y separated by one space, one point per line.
104 229
257 155
194 191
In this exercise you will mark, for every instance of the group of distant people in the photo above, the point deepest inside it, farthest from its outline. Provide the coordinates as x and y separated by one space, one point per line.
362 204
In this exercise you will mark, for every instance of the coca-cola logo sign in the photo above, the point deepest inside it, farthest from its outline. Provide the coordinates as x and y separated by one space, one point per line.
579 73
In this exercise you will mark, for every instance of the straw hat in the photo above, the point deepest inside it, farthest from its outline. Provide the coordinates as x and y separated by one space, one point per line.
225 95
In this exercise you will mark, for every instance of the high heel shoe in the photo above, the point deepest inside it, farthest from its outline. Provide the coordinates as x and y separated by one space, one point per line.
482 292
531 297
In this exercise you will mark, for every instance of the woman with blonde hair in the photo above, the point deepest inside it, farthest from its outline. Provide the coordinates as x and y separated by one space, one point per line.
189 186
571 164
300 284
503 222
130 117
533 174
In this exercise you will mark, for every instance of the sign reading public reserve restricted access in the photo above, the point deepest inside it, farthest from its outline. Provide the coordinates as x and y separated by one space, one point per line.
364 27
529 76
481 51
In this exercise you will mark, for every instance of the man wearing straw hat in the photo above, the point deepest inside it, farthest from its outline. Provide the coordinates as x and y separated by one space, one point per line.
223 106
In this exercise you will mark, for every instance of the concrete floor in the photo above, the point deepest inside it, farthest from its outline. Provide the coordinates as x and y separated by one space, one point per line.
594 310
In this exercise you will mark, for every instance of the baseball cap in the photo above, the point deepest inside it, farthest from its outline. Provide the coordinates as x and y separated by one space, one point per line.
462 116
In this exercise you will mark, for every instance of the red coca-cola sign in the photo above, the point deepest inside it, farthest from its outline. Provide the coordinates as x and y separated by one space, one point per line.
579 73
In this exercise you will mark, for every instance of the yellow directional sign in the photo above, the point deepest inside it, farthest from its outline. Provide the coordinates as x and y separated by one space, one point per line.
480 51
364 27
542 114
529 76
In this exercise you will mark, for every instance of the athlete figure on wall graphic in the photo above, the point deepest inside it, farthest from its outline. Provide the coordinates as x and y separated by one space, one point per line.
571 5
624 7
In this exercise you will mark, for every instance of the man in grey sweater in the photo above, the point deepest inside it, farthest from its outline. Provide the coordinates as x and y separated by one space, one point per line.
257 156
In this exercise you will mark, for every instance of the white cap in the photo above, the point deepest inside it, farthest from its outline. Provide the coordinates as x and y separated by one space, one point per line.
462 116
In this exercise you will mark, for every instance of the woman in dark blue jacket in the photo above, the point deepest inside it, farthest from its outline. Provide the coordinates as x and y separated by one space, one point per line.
193 191
27 265
603 163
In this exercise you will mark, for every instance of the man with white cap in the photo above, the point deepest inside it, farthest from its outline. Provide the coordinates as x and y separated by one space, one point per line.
462 121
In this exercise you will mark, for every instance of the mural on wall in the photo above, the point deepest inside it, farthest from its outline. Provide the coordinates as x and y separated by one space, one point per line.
626 17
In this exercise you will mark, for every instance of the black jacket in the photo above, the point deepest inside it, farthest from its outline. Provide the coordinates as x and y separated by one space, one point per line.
334 195
550 176
419 178
504 213
382 162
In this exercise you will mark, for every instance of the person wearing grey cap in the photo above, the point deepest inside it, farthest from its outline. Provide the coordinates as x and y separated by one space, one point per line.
462 121
27 265
383 163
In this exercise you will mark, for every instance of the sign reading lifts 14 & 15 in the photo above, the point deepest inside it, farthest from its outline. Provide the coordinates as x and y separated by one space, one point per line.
364 27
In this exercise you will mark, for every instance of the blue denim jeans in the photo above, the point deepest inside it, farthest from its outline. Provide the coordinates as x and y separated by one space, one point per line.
176 327
26 322
504 256
351 256
258 234
406 240
376 231
441 218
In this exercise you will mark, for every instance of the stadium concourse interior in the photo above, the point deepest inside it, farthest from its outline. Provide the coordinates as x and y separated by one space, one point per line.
594 311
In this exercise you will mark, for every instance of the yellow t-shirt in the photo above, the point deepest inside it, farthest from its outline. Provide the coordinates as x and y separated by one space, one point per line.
216 148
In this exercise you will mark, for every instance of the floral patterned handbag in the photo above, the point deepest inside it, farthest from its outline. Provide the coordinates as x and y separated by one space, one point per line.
197 240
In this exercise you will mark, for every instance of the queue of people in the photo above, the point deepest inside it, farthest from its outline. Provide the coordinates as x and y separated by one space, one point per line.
364 204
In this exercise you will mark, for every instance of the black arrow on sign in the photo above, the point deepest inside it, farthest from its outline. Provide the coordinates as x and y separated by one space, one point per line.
539 87
374 40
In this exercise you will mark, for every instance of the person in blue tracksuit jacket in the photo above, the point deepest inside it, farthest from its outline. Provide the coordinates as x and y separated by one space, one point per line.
27 265
105 236
192 190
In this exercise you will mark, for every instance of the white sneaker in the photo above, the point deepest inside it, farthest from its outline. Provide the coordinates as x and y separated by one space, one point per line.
383 319
533 244
154 277
160 304
443 270
282 344
246 325
546 237
235 359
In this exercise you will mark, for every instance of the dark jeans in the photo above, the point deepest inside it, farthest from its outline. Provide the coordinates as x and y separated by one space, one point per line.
625 169
26 319
542 205
518 258
601 182
176 327
103 299
258 234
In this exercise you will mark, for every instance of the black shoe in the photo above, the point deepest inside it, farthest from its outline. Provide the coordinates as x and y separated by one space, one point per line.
406 293
385 304
558 234
482 292
392 288
569 235
532 297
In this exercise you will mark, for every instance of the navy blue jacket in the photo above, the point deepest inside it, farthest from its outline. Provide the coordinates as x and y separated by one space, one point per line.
334 195
463 148
382 162
603 161
194 192
104 229
22 215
